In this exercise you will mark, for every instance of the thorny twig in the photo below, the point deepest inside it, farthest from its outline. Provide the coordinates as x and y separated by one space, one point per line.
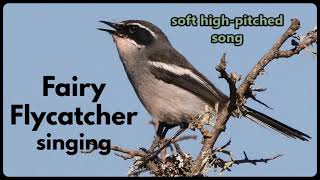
238 99
227 164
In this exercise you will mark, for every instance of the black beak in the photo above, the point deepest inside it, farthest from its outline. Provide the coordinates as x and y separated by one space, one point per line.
113 25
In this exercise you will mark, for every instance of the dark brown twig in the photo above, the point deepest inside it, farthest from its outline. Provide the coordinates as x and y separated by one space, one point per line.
128 154
238 100
255 161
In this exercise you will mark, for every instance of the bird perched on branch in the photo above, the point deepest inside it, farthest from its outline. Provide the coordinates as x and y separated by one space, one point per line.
171 89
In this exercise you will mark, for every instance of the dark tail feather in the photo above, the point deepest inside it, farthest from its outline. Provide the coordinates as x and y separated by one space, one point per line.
265 120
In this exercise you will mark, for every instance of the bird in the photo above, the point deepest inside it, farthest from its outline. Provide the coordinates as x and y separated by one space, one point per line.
170 88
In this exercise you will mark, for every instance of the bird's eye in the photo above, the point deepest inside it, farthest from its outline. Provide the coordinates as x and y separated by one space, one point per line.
133 29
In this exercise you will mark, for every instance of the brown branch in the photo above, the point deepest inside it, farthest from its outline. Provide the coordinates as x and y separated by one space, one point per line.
176 145
178 149
252 95
275 53
208 142
183 138
226 165
224 146
231 79
136 173
153 165
238 100
129 154
254 161
222 149
221 120
309 39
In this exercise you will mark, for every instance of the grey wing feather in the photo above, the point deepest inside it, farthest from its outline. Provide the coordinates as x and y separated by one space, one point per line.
196 83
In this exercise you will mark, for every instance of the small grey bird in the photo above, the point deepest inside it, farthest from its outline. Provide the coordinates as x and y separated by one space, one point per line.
171 89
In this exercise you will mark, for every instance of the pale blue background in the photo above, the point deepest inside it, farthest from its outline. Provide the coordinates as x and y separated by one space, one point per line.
62 40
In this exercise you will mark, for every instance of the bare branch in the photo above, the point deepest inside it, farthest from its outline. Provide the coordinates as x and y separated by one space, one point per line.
178 149
275 53
309 39
136 173
129 153
238 100
183 138
224 146
259 89
231 79
250 94
255 161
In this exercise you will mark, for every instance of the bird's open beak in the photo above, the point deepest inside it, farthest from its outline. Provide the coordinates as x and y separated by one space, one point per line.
115 26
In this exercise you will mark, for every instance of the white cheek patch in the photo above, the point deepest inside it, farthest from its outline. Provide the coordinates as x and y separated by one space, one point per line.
133 42
126 43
